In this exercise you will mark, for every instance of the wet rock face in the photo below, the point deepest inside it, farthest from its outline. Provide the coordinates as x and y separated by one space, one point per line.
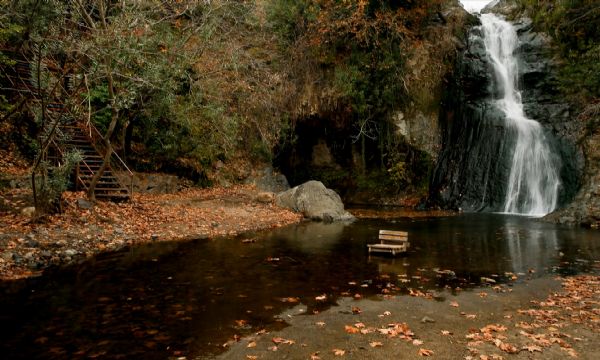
543 102
585 207
470 174
474 163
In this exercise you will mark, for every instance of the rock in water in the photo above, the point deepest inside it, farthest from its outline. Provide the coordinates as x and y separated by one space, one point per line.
315 201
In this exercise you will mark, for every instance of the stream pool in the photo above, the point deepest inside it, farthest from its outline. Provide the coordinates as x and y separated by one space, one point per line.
175 300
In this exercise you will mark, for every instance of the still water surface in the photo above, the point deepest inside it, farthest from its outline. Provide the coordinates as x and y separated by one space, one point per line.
170 300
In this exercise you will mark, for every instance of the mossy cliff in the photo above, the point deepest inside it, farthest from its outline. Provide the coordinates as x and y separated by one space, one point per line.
369 79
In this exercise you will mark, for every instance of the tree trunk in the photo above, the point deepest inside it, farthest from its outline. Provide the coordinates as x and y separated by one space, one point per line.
112 98
111 128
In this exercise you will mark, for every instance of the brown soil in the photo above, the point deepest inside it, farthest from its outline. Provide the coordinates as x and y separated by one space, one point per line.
536 319
28 246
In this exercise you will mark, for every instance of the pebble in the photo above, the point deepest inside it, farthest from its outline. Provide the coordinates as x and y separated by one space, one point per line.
427 319
32 243
70 252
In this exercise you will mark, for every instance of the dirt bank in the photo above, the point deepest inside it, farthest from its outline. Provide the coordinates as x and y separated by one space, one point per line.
543 318
28 247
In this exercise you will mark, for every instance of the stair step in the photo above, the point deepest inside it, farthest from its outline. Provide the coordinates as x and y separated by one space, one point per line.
113 196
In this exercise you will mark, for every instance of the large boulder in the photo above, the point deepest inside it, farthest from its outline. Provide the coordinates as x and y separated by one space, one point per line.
315 201
269 180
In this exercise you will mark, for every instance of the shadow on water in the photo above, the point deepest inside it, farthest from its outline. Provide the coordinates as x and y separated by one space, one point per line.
186 299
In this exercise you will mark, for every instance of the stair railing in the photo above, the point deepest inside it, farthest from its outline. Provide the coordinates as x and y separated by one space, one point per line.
78 179
98 142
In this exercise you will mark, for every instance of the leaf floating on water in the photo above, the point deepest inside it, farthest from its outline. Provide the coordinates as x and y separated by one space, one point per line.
356 310
290 300
241 323
321 297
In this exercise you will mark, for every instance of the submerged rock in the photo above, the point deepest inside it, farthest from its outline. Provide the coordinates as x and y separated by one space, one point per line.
315 201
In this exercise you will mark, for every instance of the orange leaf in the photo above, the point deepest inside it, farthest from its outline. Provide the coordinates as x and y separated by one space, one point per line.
425 352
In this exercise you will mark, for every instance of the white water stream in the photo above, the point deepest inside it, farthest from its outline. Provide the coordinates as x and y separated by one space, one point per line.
534 176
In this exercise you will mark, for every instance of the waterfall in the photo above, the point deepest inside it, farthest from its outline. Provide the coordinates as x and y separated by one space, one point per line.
533 183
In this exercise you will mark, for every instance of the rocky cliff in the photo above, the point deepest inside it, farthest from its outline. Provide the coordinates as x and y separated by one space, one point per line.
474 162
384 156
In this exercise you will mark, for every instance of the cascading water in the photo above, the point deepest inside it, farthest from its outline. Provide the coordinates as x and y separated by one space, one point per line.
534 181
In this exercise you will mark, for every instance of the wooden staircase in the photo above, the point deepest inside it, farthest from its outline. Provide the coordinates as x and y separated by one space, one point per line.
72 135
109 185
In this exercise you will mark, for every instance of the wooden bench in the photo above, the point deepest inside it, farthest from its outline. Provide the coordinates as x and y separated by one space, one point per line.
394 242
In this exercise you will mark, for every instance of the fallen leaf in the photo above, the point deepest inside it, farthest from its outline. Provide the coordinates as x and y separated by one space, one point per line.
495 328
375 344
532 348
351 329
339 352
425 352
453 304
320 323
417 342
251 344
251 357
321 297
506 347
446 332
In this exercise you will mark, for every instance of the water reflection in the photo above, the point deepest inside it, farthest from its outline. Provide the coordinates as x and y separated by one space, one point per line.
530 248
186 299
